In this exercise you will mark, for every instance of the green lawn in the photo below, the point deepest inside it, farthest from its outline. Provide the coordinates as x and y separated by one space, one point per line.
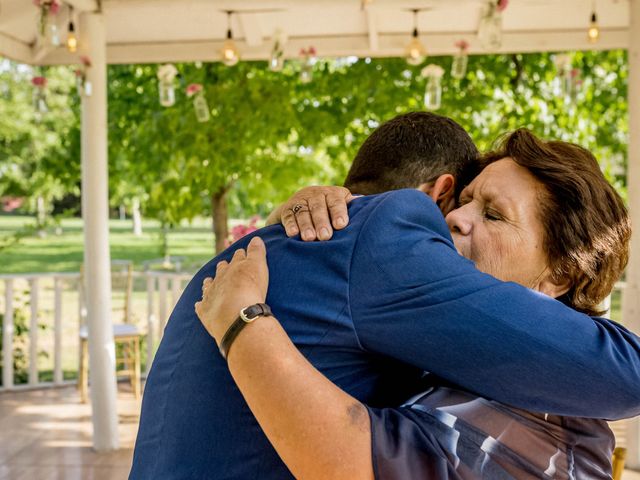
63 252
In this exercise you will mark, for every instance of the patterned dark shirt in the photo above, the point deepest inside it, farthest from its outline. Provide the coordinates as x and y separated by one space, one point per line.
449 434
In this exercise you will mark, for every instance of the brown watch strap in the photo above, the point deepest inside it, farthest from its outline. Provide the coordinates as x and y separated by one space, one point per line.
247 315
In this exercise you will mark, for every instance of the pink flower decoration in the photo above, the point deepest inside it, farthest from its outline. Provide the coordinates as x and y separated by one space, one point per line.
310 52
193 88
11 203
502 5
39 82
86 61
52 5
462 45
241 230
575 72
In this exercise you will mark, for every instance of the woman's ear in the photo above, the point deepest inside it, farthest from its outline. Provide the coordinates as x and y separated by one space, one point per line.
552 287
442 191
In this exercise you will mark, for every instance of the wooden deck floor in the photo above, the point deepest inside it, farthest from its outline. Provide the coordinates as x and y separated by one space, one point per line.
46 435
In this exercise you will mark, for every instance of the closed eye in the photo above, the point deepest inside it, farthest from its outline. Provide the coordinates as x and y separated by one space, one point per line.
492 215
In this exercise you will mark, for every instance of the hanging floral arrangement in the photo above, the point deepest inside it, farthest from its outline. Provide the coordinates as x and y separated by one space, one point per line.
47 27
200 105
563 67
575 83
460 60
490 27
166 84
308 56
82 84
276 60
433 92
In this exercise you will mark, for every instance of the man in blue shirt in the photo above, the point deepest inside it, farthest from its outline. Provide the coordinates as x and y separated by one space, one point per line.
383 301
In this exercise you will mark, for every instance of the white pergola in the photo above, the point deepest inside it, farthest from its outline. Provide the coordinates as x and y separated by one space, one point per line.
150 31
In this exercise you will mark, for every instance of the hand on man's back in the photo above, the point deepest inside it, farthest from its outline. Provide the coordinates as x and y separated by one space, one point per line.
315 212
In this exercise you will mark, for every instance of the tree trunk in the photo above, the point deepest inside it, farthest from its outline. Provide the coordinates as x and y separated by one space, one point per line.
219 211
136 217
164 239
41 216
122 212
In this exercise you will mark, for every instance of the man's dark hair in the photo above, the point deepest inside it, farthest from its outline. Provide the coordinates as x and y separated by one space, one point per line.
410 150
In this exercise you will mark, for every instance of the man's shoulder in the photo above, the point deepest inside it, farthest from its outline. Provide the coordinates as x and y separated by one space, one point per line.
400 209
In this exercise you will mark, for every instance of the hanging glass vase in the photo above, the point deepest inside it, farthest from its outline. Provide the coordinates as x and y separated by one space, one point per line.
167 91
433 92
575 82
166 85
39 96
308 60
306 73
200 105
490 27
563 78
79 83
49 33
52 33
276 60
201 108
40 101
460 60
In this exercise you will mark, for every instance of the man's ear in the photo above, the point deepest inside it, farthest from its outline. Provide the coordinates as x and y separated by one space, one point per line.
442 191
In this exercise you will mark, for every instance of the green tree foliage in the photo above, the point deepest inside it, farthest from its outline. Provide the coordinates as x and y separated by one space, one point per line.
35 148
270 134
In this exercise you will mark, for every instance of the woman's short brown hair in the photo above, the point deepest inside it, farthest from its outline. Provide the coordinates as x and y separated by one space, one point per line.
586 225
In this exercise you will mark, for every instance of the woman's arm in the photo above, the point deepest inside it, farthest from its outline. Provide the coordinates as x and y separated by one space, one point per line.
318 430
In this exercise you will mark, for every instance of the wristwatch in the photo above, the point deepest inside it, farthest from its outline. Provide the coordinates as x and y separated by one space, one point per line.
247 315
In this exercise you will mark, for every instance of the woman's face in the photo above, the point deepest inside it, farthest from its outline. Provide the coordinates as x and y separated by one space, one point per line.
497 225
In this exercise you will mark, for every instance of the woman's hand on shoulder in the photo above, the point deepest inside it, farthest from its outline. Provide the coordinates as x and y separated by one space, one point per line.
314 212
241 283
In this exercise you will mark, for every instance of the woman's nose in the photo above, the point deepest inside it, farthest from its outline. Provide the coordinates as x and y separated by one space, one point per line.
459 221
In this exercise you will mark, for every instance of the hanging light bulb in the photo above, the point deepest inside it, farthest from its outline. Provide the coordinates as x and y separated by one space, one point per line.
230 55
594 30
415 52
72 40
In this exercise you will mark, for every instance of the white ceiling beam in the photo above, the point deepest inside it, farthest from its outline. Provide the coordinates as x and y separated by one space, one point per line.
83 5
251 28
14 49
15 13
372 28
390 45
39 52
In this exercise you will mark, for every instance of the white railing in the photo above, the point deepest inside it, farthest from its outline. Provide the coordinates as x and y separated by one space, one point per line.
158 307
45 304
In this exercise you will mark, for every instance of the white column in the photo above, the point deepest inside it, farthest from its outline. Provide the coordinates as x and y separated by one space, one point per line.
7 336
34 287
95 214
631 295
